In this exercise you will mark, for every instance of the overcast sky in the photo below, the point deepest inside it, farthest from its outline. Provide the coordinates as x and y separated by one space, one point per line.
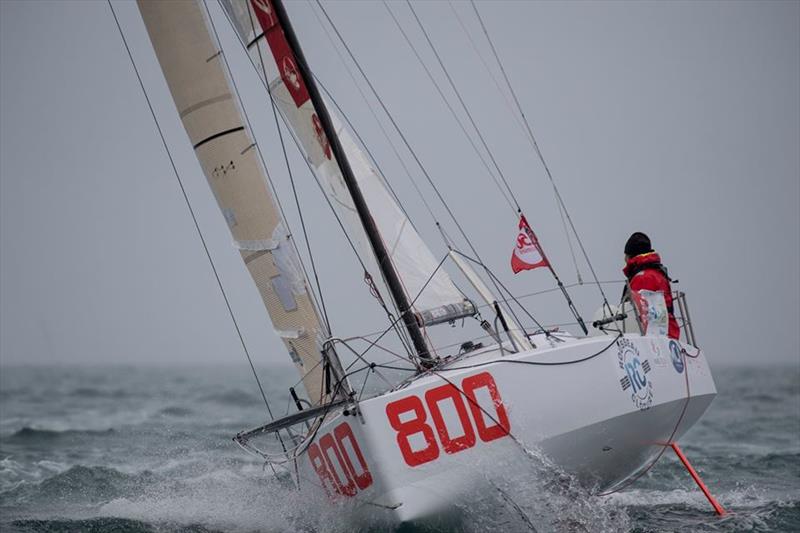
678 119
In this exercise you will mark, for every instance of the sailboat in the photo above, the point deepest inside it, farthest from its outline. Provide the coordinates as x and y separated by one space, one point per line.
601 407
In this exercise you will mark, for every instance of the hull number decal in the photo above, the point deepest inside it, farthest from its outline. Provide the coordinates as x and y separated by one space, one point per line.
634 374
421 438
337 459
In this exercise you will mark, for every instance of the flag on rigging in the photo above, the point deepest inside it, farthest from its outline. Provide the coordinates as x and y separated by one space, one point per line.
528 253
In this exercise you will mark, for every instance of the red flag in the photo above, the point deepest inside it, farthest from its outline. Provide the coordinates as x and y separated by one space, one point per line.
527 253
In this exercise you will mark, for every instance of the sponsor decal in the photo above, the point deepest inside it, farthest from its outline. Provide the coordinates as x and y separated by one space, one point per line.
677 360
635 372
658 360
289 73
265 13
284 58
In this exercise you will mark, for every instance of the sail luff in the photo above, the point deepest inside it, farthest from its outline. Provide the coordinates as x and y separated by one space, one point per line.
209 110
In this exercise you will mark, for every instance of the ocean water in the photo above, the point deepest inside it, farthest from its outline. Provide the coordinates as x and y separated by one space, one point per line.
149 449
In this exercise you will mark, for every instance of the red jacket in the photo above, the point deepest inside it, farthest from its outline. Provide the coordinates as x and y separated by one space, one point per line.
645 272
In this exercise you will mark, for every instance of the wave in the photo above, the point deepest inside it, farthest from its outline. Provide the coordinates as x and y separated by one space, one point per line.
232 397
176 411
117 525
84 485
28 435
681 510
91 392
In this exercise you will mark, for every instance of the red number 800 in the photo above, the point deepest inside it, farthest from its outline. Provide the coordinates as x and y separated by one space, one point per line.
498 427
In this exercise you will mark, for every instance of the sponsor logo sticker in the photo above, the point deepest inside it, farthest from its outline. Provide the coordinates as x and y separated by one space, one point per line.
658 360
634 372
677 360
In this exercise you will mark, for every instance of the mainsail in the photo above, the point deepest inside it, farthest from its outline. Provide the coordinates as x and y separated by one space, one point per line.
197 77
434 297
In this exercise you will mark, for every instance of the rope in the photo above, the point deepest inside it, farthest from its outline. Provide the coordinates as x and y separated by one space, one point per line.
191 212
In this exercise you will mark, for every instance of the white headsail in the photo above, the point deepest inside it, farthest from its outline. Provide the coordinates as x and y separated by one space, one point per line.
435 298
197 77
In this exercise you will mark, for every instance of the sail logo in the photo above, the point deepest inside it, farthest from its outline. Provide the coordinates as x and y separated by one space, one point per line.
322 139
675 353
337 459
417 439
527 254
635 374
290 72
266 8
281 51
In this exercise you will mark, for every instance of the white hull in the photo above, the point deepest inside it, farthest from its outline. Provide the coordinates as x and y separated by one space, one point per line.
602 420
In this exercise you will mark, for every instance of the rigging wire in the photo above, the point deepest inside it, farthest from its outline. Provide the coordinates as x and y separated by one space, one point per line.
519 122
371 110
407 144
191 212
374 161
450 107
474 45
541 156
321 304
464 106
570 304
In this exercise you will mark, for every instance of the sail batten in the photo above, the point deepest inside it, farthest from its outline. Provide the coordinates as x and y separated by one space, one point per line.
198 80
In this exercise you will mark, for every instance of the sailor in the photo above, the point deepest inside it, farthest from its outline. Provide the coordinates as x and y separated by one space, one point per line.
644 271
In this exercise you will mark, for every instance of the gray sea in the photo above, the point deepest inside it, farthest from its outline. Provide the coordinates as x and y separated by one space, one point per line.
123 449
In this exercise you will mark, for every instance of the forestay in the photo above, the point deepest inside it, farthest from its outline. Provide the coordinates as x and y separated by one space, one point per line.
197 77
435 298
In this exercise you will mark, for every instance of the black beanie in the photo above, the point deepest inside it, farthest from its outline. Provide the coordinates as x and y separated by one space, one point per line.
637 244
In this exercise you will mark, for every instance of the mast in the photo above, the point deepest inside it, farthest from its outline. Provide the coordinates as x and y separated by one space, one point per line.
384 261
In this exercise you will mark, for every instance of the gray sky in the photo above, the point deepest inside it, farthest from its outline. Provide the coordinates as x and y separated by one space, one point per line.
678 119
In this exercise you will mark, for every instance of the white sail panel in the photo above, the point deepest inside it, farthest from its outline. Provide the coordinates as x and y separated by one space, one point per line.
435 298
208 107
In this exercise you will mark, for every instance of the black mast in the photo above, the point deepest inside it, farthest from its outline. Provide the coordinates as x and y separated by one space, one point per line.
384 261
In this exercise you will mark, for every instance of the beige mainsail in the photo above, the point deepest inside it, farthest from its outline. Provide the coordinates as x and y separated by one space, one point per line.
197 77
